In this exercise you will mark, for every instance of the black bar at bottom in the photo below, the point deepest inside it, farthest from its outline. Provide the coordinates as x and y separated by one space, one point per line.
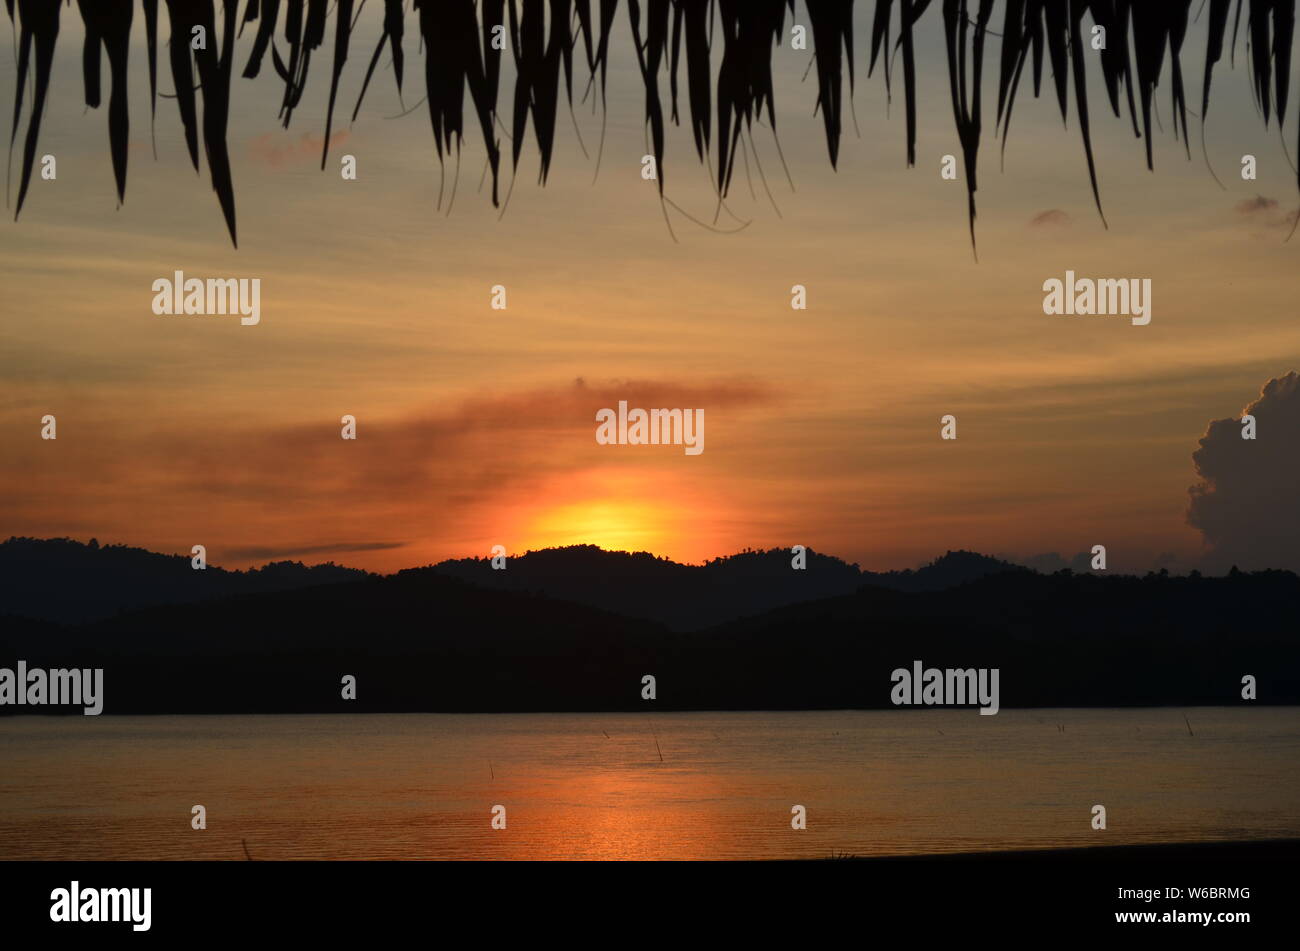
1243 888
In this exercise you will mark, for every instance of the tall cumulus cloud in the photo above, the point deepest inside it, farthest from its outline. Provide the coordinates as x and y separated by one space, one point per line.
1247 504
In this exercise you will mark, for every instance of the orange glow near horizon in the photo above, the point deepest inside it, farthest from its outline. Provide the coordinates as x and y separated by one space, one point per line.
619 511
609 523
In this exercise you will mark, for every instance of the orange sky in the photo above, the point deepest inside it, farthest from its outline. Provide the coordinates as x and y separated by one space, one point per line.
476 426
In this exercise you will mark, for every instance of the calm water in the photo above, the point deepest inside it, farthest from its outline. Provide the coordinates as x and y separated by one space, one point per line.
423 785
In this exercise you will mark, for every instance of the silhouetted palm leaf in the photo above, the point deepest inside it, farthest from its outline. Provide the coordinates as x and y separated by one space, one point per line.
649 54
692 23
456 37
108 24
181 16
214 78
342 29
832 24
151 43
39 28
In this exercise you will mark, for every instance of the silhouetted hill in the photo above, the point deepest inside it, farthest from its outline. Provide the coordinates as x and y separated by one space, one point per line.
414 641
682 597
1059 640
60 579
423 641
63 580
691 597
948 571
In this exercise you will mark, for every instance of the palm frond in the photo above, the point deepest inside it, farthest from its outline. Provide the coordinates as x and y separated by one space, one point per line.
460 42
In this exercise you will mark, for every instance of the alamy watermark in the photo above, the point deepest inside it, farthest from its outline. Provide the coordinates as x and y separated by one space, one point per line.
1103 296
951 687
82 687
103 904
214 296
655 427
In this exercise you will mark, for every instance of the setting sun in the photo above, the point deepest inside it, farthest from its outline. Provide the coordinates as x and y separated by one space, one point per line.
617 511
610 524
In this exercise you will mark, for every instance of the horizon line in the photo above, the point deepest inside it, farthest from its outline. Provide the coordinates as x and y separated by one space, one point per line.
1014 565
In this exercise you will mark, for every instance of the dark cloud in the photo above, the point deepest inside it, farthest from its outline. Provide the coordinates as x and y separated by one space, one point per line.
1050 561
280 552
1052 218
1264 212
1253 206
1047 562
1247 504
473 448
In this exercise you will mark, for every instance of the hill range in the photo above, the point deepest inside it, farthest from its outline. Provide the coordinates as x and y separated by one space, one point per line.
577 628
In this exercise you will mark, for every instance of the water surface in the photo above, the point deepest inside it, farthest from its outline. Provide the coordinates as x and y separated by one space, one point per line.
593 786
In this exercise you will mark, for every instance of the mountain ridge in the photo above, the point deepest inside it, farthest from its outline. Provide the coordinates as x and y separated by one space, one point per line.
421 640
72 582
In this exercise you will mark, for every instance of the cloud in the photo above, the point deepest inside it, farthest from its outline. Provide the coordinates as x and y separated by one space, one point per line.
1256 205
444 474
276 553
1247 505
1266 212
1047 562
1050 561
278 151
479 444
1052 218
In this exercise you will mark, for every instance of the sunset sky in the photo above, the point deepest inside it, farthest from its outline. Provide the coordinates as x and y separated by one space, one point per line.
476 426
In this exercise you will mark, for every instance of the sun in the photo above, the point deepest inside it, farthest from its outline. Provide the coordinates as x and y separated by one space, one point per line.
619 511
614 524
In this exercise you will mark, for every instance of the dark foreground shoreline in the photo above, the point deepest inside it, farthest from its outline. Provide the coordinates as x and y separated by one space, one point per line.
1261 850
1223 891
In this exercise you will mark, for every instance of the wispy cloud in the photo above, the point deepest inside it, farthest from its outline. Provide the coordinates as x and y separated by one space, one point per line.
1256 205
280 552
1264 212
1051 218
279 150
430 476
